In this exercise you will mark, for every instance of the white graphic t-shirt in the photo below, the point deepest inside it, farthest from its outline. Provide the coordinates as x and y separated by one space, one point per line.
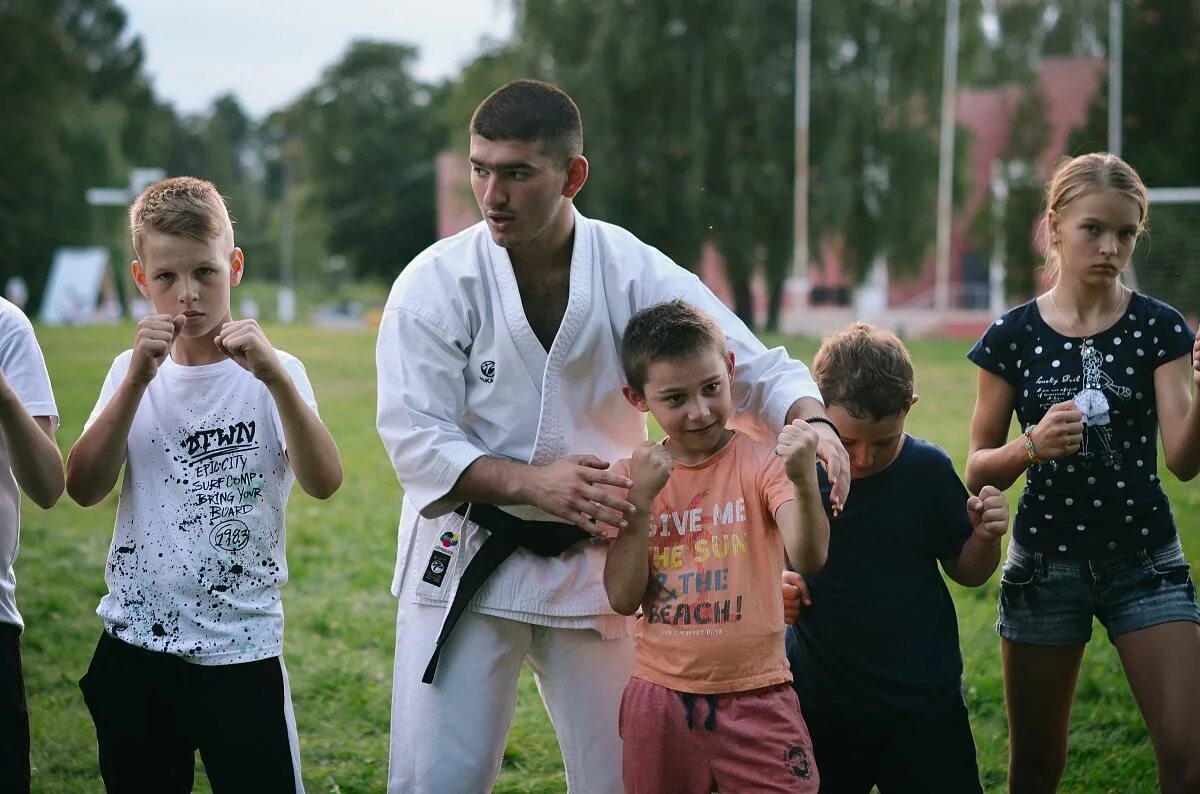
197 556
25 369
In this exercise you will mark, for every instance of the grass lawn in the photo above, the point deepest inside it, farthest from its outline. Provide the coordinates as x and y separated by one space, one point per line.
340 617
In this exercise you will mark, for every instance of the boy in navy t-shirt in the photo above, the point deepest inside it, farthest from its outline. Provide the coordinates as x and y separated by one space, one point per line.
875 654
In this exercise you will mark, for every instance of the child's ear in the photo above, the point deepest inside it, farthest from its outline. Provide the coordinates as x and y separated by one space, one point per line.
729 364
635 398
1052 226
914 399
139 278
237 265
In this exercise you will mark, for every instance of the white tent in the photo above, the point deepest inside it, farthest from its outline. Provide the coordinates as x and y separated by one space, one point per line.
80 288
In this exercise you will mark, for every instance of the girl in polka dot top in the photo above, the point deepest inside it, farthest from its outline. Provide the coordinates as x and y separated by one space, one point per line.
1094 372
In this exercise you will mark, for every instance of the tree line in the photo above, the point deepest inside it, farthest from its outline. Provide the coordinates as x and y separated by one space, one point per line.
688 110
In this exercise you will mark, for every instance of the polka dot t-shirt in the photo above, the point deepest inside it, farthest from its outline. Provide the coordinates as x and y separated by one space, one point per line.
1106 499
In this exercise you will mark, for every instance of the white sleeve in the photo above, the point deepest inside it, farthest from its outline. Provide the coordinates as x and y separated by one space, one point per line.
299 375
25 369
112 381
766 382
421 391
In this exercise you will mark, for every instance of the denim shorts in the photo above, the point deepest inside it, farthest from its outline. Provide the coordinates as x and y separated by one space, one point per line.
1050 600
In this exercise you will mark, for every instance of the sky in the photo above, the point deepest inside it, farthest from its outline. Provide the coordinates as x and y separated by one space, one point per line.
267 52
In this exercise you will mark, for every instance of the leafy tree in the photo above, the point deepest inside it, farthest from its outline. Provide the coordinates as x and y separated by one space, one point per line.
876 100
66 68
689 112
1159 120
367 136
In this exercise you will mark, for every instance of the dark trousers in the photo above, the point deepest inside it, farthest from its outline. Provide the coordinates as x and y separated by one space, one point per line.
14 716
930 753
153 711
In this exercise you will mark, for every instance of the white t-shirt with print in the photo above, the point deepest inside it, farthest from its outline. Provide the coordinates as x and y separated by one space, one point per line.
22 363
197 556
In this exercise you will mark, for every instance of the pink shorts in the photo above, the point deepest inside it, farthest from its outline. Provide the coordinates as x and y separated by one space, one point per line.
677 743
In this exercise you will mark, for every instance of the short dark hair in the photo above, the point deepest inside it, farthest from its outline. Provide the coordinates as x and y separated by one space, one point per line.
534 112
866 371
666 332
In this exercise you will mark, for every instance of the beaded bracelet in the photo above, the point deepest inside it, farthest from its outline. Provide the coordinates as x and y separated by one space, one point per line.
1031 450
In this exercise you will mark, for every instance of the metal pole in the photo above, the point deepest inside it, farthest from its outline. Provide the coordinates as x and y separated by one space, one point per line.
996 268
286 298
946 160
800 205
1114 76
796 285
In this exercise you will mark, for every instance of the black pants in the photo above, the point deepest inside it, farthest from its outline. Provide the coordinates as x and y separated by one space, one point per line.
153 711
14 716
932 753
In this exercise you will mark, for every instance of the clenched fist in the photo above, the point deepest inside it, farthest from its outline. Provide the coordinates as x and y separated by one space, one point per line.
1060 433
650 469
245 342
989 513
152 344
797 445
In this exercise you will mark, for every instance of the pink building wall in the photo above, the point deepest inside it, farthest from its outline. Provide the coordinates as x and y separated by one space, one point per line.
1068 86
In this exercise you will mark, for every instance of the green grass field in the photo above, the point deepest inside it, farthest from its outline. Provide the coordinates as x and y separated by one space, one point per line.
340 617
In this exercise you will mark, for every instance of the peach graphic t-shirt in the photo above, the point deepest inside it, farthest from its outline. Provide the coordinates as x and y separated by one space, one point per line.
712 621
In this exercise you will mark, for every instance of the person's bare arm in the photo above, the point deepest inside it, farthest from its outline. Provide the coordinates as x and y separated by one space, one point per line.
627 566
802 521
830 450
95 461
33 454
311 450
993 459
980 553
1179 413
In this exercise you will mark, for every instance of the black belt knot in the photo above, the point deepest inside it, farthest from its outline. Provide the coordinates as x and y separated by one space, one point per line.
507 533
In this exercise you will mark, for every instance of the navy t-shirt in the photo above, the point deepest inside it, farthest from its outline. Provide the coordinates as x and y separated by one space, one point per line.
1106 499
881 636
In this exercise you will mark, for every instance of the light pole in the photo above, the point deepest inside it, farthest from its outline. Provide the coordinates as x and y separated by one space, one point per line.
796 286
1116 76
1115 44
996 267
285 303
946 161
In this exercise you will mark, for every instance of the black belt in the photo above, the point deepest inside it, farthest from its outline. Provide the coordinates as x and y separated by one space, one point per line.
507 533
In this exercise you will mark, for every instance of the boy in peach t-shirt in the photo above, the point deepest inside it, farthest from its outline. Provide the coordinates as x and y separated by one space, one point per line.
709 705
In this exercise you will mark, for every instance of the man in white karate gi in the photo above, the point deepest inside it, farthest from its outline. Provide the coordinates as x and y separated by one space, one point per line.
500 384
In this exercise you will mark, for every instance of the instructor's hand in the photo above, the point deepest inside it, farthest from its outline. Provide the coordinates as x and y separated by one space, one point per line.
833 456
574 489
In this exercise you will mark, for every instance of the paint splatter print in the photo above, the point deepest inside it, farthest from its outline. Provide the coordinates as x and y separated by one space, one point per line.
197 557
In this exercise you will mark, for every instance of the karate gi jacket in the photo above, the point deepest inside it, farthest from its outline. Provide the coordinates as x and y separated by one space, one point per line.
461 374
